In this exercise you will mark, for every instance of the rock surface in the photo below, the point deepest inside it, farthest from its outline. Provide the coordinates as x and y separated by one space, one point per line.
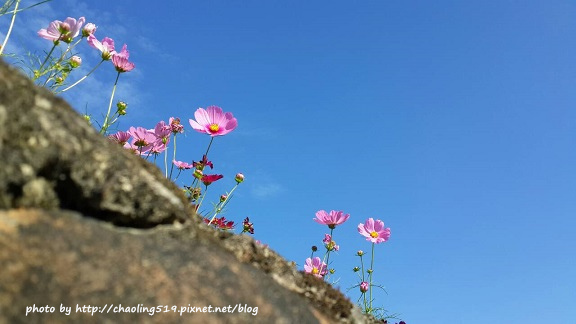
84 222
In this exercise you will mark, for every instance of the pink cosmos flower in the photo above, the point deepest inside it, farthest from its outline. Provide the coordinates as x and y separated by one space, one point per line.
374 231
364 286
182 165
142 138
162 133
207 179
213 121
315 267
106 47
120 60
175 125
329 244
65 31
332 219
120 137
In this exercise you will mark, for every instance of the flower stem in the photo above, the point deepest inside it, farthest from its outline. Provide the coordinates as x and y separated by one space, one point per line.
223 204
10 28
209 145
370 275
173 156
106 119
363 280
39 72
327 255
82 79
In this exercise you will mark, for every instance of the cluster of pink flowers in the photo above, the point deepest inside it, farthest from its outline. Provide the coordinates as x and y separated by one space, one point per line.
144 141
106 47
66 30
70 28
212 121
220 223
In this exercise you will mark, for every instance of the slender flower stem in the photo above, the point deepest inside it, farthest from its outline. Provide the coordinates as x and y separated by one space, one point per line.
202 199
327 255
106 125
166 162
82 79
209 145
10 28
39 71
222 204
370 275
68 49
173 156
195 181
363 280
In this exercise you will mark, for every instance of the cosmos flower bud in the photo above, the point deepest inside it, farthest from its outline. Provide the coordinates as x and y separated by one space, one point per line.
198 174
88 29
75 61
223 198
364 286
360 253
239 178
64 27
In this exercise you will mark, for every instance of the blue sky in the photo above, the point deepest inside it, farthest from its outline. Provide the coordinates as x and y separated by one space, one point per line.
452 121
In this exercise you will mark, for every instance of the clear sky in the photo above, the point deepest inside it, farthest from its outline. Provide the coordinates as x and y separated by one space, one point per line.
454 122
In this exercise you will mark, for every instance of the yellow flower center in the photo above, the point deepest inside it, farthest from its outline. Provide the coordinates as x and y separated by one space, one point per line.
315 270
374 234
214 127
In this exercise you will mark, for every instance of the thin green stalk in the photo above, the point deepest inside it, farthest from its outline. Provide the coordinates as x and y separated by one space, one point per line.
166 162
61 59
39 71
327 255
371 271
106 125
173 156
363 280
82 79
209 145
32 6
223 203
10 28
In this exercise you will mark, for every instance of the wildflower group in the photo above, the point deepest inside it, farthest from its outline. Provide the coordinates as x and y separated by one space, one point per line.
373 230
158 144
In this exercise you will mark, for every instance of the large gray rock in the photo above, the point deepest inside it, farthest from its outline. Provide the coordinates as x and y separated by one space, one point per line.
84 222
